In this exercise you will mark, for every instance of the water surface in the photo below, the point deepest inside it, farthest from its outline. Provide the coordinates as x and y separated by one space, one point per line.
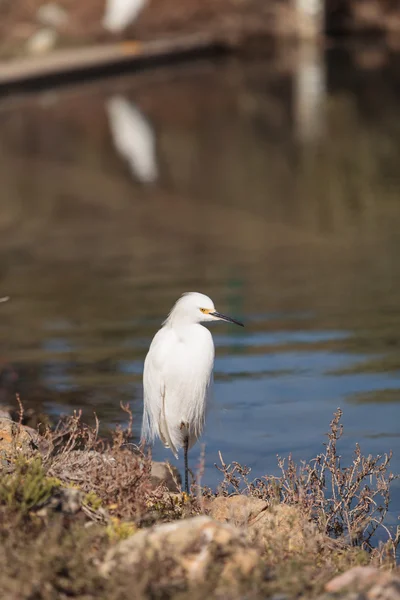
118 196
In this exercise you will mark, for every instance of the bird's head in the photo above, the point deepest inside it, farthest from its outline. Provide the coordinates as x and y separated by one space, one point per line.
194 307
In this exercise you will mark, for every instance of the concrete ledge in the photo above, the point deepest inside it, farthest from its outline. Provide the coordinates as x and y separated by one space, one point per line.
78 61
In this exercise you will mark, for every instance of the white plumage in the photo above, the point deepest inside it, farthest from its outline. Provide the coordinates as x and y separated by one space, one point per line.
178 375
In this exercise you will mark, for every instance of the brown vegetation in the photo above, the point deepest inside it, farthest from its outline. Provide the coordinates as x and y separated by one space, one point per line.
346 502
66 511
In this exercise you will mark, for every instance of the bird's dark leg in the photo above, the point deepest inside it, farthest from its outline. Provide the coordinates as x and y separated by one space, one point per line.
185 450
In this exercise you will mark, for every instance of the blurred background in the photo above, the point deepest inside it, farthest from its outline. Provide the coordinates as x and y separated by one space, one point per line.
267 178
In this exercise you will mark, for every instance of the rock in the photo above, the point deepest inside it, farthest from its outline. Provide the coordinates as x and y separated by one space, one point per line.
18 439
387 589
38 441
240 510
193 549
360 578
52 15
14 438
66 500
70 502
42 41
366 583
281 521
166 475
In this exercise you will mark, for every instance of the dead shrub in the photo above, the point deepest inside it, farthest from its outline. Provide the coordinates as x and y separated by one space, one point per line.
114 470
348 502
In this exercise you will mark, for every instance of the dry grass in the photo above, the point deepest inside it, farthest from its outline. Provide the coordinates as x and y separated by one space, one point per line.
346 502
115 471
47 552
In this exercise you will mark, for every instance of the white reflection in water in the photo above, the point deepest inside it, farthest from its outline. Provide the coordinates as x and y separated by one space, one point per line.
133 138
119 13
310 93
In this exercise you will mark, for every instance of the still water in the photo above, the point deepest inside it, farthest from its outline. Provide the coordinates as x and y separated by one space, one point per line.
219 177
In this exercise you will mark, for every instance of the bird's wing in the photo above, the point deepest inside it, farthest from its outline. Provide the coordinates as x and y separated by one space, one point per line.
154 417
164 429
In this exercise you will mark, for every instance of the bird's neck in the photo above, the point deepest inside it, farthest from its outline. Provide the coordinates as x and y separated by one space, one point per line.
182 325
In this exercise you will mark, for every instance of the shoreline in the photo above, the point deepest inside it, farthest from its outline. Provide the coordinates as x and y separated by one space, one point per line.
93 519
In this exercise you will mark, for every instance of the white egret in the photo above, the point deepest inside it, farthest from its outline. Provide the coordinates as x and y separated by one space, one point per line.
178 375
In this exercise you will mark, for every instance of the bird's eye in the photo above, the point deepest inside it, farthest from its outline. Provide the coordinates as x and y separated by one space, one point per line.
203 310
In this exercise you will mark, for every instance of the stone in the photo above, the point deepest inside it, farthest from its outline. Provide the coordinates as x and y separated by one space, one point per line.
193 548
18 439
240 510
66 500
72 502
281 521
166 475
365 583
387 589
15 439
357 577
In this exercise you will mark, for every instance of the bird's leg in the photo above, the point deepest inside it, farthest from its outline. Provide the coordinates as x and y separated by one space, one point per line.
185 449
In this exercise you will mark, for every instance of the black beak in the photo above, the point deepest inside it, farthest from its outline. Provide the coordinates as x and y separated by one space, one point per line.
225 318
